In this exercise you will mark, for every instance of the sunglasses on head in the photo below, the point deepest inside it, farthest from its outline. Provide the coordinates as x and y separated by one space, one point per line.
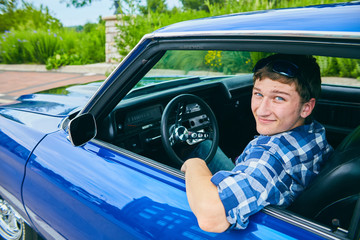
282 67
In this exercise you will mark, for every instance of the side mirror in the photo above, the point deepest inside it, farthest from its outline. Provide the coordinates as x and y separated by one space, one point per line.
82 129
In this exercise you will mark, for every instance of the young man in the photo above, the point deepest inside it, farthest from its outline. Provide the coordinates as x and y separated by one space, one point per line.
277 165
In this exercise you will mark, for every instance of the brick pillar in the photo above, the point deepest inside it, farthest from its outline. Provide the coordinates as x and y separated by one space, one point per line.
111 31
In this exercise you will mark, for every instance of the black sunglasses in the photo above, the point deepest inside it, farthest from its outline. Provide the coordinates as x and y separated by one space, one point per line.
283 67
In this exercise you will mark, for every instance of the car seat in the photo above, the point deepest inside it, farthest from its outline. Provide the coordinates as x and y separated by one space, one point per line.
334 195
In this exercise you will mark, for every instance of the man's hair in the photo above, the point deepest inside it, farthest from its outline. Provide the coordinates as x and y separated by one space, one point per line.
307 78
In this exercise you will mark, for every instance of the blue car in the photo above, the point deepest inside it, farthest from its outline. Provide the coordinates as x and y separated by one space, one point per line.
102 160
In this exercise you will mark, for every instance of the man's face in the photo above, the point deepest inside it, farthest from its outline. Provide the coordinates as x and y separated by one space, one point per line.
276 107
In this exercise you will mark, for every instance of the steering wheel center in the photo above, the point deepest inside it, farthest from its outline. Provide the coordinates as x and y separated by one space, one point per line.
181 133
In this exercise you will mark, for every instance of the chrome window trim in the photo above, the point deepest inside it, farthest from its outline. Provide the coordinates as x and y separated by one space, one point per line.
305 224
258 33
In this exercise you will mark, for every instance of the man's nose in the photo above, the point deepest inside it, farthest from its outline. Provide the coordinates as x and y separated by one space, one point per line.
264 107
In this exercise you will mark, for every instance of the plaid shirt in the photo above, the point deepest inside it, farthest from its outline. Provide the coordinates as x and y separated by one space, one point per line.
272 170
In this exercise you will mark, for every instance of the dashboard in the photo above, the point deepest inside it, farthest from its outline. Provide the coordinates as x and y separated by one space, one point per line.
139 130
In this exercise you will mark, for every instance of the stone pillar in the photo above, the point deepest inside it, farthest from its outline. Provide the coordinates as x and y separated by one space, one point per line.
111 31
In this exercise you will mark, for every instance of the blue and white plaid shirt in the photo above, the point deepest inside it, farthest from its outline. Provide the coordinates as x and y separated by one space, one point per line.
272 170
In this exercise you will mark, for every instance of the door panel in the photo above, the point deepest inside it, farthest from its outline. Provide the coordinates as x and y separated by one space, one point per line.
86 192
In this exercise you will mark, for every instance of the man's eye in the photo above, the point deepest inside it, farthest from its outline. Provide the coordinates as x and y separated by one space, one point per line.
258 94
279 98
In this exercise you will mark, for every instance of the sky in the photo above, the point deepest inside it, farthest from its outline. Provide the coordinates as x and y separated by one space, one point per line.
71 16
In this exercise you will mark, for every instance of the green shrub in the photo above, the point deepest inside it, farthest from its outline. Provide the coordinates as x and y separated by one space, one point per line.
341 67
12 48
41 45
59 60
133 27
38 46
79 48
34 36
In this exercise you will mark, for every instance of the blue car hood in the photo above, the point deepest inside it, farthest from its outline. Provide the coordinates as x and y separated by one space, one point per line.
46 110
56 102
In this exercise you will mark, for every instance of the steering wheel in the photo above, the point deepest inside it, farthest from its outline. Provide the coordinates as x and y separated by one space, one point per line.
194 121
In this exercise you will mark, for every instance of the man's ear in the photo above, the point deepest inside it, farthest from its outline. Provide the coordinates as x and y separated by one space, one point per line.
307 108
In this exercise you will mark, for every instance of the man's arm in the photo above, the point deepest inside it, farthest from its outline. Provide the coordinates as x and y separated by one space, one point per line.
203 196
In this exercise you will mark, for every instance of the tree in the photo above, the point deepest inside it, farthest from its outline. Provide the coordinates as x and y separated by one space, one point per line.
200 4
26 17
77 3
153 6
82 3
7 5
122 6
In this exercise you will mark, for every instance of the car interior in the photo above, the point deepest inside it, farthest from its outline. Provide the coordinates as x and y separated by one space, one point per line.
135 124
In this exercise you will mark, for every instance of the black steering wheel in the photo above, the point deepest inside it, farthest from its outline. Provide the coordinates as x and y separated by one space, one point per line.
188 120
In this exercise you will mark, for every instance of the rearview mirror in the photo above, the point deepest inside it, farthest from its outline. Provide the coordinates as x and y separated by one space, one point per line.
82 129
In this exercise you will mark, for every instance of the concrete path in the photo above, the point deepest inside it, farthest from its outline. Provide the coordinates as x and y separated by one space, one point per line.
19 79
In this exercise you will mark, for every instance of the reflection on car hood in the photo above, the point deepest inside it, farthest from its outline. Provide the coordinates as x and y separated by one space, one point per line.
58 101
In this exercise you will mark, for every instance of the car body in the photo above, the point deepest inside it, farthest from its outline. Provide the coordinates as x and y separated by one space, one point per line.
91 163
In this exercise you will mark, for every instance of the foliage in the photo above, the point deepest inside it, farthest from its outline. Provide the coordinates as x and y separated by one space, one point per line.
32 35
77 3
59 60
227 62
80 47
200 4
342 67
133 27
184 60
54 48
27 17
153 6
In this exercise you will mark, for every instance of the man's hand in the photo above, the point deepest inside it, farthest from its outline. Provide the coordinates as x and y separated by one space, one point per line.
203 196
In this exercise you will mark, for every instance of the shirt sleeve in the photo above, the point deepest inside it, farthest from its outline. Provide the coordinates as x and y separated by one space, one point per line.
255 182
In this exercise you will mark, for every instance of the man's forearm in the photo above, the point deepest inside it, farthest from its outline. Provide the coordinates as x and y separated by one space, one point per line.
203 196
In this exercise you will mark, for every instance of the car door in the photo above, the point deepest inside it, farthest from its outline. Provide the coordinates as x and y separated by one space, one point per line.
92 192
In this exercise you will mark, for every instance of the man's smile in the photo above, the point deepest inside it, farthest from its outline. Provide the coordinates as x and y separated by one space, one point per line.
265 120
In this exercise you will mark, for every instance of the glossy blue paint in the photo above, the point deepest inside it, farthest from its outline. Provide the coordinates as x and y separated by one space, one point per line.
58 101
320 18
34 122
16 144
91 192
